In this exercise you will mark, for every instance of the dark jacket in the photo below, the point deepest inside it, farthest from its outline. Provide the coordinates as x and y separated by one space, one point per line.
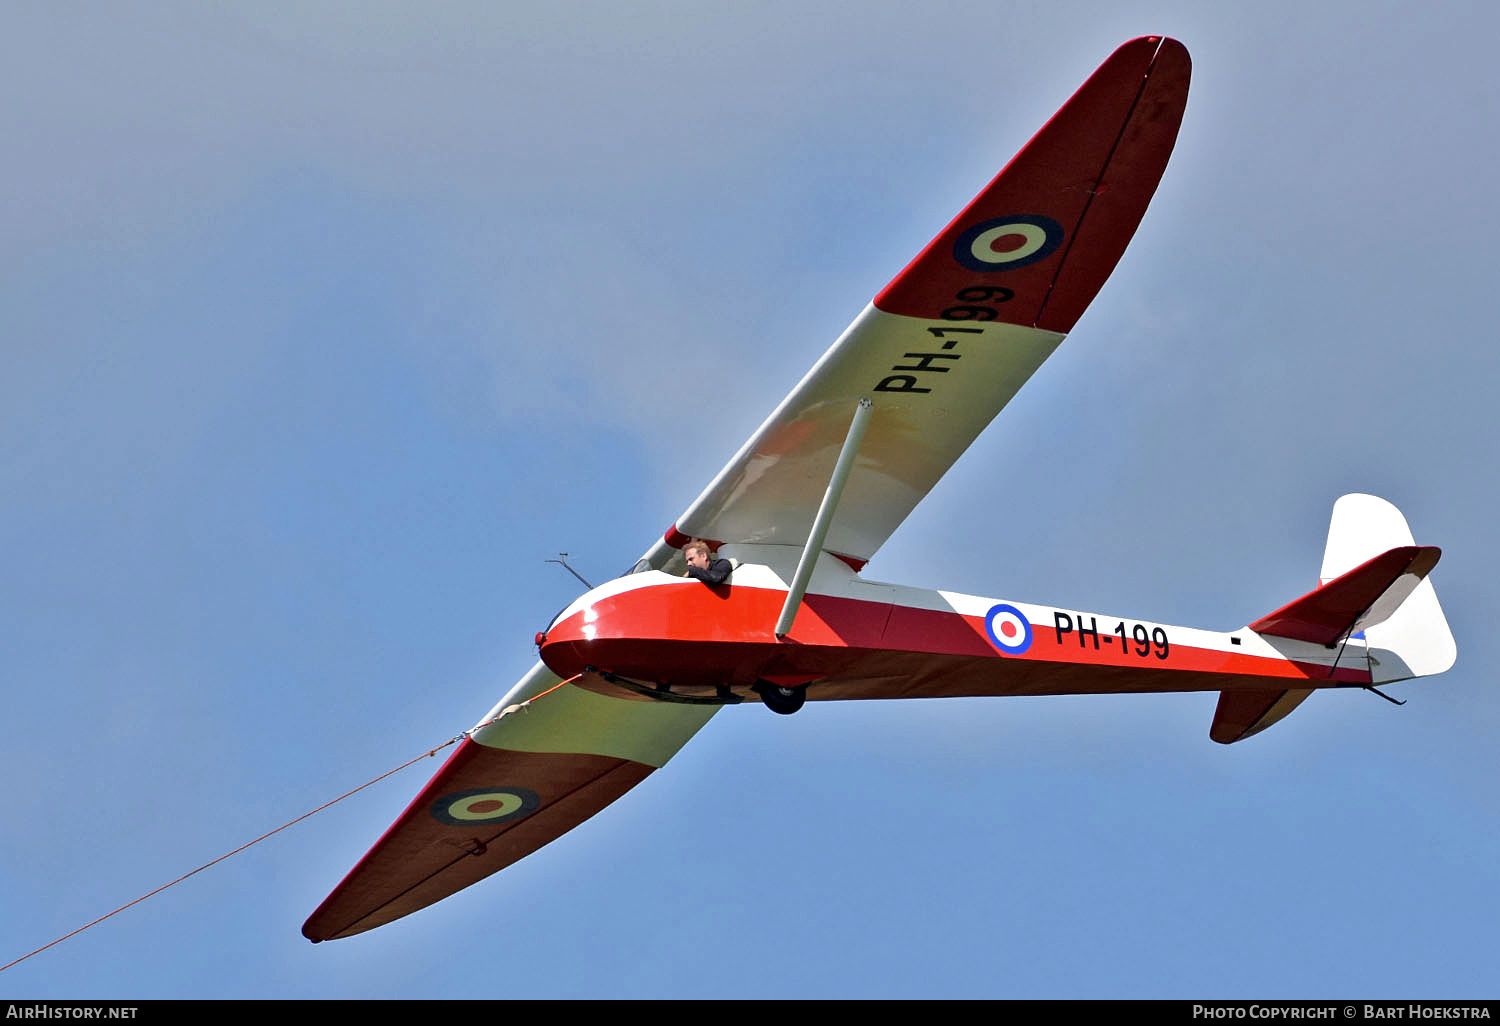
717 572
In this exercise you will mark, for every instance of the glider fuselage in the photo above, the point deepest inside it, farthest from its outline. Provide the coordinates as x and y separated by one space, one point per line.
857 639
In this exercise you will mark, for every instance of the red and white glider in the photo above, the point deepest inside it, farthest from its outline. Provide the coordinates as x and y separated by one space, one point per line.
650 657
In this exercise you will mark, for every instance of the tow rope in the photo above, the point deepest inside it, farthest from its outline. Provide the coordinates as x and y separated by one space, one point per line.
508 710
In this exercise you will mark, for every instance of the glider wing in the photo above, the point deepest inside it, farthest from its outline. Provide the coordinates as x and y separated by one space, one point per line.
548 757
951 339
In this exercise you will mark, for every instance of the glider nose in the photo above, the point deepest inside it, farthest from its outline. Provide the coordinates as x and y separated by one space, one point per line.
559 646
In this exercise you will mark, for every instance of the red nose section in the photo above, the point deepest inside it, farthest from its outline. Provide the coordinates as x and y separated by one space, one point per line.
682 632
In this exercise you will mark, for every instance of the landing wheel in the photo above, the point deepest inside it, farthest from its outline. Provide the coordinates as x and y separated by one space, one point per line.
782 700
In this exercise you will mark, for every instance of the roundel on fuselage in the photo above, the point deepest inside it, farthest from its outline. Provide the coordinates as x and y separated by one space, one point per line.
1008 628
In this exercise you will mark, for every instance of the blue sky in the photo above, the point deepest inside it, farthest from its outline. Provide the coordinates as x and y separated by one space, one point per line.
327 326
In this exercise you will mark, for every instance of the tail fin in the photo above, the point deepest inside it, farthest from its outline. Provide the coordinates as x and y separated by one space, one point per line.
1374 581
1414 639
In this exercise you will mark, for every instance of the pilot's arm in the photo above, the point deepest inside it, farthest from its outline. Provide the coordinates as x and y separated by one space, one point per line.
717 571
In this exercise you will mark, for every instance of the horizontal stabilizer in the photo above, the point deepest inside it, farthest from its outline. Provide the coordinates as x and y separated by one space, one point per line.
1243 713
1361 598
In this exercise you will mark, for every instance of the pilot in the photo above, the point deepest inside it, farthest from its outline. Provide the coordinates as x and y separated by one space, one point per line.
703 566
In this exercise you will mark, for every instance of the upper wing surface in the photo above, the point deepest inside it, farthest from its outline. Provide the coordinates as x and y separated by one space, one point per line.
955 335
553 758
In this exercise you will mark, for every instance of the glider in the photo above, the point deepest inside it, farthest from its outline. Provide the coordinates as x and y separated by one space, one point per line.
634 668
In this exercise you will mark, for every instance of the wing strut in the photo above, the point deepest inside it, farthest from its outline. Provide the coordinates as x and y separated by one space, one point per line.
824 518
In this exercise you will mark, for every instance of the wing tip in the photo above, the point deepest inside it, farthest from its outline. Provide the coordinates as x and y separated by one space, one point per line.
1017 243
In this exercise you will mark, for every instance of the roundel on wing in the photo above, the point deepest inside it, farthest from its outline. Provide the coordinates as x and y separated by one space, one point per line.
485 805
1008 628
1006 243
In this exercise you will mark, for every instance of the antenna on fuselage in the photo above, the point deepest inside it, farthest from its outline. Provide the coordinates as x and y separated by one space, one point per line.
564 563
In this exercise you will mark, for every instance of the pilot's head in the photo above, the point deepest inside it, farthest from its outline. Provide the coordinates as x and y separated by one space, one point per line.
696 553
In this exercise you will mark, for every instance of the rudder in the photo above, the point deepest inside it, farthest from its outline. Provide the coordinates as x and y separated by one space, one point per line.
1414 641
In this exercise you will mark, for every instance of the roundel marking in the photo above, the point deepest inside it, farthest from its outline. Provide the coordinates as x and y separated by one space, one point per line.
485 805
1008 628
1005 243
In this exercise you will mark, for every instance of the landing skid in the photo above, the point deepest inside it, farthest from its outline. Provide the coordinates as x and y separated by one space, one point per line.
779 699
662 691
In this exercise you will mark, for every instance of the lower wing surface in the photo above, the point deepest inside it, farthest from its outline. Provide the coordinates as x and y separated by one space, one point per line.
955 335
554 756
